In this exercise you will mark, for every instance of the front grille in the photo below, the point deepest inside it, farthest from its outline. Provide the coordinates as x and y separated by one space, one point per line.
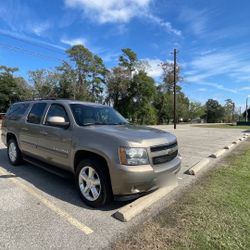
163 147
164 158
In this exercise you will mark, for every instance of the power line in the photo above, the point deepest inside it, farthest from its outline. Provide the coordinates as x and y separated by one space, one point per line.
31 42
29 52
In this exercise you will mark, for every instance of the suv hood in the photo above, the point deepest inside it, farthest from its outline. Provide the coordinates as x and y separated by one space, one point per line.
137 134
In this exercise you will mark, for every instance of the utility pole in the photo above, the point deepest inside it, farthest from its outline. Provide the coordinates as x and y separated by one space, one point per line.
246 109
175 52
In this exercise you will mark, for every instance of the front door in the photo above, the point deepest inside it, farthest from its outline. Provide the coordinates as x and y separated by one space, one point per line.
56 142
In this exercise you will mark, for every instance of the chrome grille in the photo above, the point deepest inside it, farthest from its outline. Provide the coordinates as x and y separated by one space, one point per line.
169 152
164 158
163 147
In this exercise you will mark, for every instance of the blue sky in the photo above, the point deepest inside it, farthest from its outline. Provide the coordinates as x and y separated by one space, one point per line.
212 37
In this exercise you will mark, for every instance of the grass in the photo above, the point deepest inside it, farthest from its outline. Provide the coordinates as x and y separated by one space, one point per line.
212 214
222 126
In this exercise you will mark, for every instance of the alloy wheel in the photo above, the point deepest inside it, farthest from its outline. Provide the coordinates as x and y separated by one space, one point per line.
89 183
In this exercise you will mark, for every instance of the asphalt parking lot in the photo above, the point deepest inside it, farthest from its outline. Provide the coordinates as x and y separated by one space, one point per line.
39 210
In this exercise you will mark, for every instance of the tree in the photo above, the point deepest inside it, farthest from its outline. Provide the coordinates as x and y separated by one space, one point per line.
130 90
168 77
182 107
97 80
90 73
67 82
118 83
44 82
196 110
142 91
128 60
12 88
229 110
163 104
165 99
214 112
7 87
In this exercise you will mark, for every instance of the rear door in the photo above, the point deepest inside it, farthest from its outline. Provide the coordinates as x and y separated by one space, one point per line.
56 142
30 130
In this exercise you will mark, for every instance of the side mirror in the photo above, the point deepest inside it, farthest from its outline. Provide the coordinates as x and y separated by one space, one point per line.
57 121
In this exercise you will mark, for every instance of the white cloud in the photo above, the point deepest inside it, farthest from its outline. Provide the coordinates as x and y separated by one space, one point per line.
196 20
202 89
40 28
154 70
166 25
75 41
119 11
206 52
106 11
245 88
20 18
232 64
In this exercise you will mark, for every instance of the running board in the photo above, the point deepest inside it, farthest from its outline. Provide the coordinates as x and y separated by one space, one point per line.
49 168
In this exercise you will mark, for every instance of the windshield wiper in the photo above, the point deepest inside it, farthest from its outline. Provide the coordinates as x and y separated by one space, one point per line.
94 123
102 123
119 123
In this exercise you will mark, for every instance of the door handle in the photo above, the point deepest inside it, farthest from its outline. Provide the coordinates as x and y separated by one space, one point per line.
25 129
43 133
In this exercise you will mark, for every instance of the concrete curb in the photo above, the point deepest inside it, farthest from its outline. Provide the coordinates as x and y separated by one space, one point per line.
198 166
129 211
218 153
236 142
229 146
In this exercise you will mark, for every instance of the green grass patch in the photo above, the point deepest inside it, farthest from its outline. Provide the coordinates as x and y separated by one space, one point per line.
222 126
212 214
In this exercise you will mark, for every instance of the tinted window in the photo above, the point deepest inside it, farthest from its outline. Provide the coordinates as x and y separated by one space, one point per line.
57 110
36 113
16 111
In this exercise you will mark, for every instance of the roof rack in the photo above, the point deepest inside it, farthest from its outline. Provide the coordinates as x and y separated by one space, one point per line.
47 98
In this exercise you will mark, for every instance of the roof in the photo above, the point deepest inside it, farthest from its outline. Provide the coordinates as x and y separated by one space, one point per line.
68 101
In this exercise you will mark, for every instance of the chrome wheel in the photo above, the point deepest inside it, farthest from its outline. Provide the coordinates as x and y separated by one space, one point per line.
12 152
89 183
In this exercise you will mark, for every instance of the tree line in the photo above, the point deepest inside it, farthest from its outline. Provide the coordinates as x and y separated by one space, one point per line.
127 87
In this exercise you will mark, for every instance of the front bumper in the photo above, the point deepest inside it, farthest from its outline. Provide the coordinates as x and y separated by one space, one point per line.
133 180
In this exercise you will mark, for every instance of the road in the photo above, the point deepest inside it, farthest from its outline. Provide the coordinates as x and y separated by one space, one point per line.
39 210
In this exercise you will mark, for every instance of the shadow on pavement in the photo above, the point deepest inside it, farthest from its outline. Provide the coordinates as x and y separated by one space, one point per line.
53 185
246 131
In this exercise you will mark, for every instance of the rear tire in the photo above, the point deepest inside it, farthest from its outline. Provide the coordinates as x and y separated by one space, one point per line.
14 153
93 183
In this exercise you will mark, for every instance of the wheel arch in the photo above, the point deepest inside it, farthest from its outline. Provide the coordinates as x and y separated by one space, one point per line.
87 154
9 136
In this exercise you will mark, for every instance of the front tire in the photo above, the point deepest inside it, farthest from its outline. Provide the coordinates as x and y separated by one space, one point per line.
14 153
93 183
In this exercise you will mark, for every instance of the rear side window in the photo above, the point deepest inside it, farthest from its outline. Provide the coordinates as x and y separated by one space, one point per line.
16 111
36 113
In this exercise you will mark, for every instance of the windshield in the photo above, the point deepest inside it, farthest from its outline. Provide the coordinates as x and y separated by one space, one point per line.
96 115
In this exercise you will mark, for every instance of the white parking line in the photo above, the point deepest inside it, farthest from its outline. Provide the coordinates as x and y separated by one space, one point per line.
73 221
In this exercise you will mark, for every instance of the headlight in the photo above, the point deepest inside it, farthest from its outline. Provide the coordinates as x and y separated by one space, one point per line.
133 156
